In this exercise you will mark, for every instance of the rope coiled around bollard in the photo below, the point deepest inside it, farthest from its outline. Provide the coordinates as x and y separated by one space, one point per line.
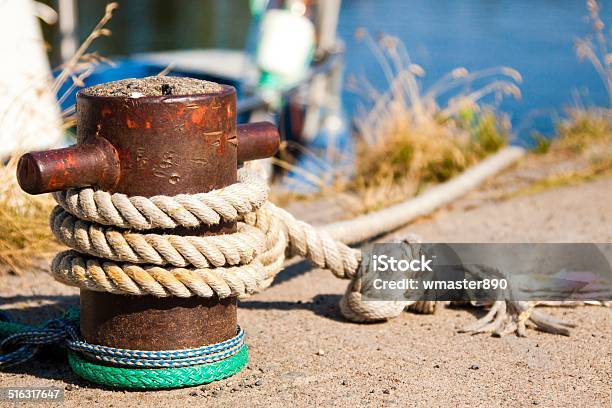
112 252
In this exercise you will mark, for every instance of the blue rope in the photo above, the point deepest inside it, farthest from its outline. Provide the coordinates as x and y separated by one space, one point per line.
161 359
25 344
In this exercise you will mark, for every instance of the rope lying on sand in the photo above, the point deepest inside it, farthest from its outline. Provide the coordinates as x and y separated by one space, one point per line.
380 222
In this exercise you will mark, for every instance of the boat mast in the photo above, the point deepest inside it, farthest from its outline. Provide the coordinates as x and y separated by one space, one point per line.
67 25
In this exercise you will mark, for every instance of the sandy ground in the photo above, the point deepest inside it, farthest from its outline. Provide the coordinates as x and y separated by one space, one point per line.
303 353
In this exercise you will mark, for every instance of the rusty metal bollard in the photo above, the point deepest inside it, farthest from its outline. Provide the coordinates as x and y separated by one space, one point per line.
153 144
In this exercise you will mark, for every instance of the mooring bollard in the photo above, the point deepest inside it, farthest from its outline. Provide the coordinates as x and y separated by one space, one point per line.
148 137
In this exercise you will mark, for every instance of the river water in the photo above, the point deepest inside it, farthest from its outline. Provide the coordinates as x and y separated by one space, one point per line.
536 37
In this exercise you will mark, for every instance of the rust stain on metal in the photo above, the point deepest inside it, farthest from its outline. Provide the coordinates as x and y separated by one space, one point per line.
256 141
113 153
198 115
93 163
131 123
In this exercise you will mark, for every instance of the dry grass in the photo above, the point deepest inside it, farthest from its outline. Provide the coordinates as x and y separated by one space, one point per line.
594 47
591 127
408 139
586 132
584 144
585 129
582 151
25 238
428 152
565 179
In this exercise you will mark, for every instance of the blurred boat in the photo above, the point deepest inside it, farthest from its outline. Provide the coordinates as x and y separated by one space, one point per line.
293 78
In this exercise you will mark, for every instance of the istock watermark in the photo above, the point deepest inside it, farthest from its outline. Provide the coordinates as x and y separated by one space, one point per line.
416 284
383 263
487 272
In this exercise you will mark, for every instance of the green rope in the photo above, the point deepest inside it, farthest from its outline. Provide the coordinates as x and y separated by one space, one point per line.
150 379
8 328
140 378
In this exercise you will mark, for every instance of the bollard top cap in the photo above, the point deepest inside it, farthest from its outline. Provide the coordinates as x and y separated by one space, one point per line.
154 86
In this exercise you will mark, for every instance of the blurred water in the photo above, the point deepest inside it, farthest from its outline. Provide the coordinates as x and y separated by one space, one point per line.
534 36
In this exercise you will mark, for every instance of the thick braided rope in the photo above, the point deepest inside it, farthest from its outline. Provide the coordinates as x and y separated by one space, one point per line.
109 257
131 368
72 268
184 210
156 249
138 378
159 359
